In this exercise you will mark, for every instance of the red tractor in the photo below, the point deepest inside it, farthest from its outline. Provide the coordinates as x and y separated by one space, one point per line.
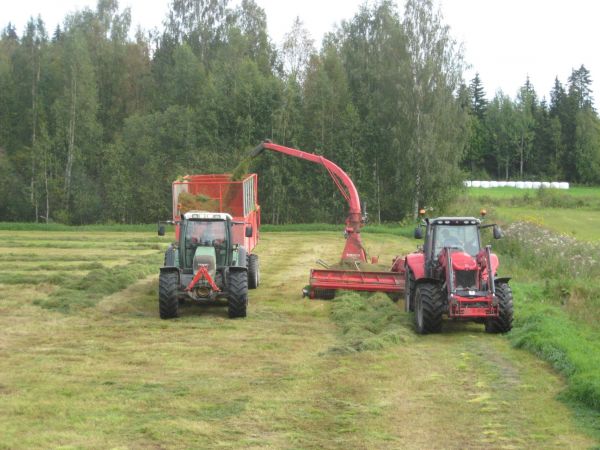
453 274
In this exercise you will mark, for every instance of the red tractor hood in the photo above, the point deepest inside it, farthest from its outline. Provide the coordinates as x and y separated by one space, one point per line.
460 261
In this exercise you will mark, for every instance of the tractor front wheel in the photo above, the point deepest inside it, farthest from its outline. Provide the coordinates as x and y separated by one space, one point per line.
502 323
429 307
168 304
253 271
238 293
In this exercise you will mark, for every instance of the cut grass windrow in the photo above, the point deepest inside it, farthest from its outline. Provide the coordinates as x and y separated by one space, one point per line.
81 245
77 293
368 322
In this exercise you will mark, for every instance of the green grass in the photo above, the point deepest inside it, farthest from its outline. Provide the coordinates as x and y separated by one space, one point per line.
555 280
22 226
393 229
580 223
97 368
572 348
510 192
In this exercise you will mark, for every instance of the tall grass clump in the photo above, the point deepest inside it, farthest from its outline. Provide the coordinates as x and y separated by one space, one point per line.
551 255
368 322
557 309
575 352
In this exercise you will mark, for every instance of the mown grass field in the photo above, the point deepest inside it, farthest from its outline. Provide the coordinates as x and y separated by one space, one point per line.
86 362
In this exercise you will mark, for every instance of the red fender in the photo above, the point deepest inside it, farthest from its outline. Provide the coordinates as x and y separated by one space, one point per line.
416 263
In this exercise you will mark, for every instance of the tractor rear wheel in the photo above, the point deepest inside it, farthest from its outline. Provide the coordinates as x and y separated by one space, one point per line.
429 307
238 293
253 271
168 304
409 291
502 323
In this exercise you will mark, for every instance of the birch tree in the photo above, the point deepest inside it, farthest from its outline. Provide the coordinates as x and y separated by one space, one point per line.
435 136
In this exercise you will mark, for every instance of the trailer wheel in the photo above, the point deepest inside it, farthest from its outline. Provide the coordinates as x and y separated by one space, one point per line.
429 307
503 323
253 271
238 293
168 304
324 294
409 291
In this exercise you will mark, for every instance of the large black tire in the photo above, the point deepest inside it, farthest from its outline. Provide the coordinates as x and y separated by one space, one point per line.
429 307
324 294
253 271
238 293
409 291
168 304
503 323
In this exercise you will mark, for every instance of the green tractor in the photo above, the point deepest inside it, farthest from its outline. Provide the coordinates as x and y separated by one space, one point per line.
205 266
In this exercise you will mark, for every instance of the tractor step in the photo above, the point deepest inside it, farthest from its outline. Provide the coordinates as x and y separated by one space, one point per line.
324 280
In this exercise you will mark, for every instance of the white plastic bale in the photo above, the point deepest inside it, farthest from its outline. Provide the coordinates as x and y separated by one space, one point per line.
528 184
467 183
563 185
511 184
493 184
555 185
545 184
501 183
475 184
520 185
536 185
485 184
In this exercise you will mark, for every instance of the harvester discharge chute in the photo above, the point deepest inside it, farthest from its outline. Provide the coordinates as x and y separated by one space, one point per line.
323 283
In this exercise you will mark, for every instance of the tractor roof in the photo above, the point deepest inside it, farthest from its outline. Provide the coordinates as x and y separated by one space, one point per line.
206 215
455 221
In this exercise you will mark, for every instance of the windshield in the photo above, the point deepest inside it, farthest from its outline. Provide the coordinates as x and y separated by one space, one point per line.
464 237
206 233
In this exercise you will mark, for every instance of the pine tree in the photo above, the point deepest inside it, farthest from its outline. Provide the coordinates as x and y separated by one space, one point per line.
479 102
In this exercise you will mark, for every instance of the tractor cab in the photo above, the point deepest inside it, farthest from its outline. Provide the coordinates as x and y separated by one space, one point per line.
205 238
456 233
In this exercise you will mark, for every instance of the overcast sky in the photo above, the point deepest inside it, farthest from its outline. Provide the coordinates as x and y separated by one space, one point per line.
504 40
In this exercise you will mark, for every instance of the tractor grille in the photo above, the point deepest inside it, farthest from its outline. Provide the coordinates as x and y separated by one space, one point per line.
465 279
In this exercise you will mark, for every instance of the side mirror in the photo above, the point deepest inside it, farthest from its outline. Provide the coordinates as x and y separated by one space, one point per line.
418 233
497 232
161 230
249 231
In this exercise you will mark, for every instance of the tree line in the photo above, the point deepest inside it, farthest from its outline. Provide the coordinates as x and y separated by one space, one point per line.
529 137
95 124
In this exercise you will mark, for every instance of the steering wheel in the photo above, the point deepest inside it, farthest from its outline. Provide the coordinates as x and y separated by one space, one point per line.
453 242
